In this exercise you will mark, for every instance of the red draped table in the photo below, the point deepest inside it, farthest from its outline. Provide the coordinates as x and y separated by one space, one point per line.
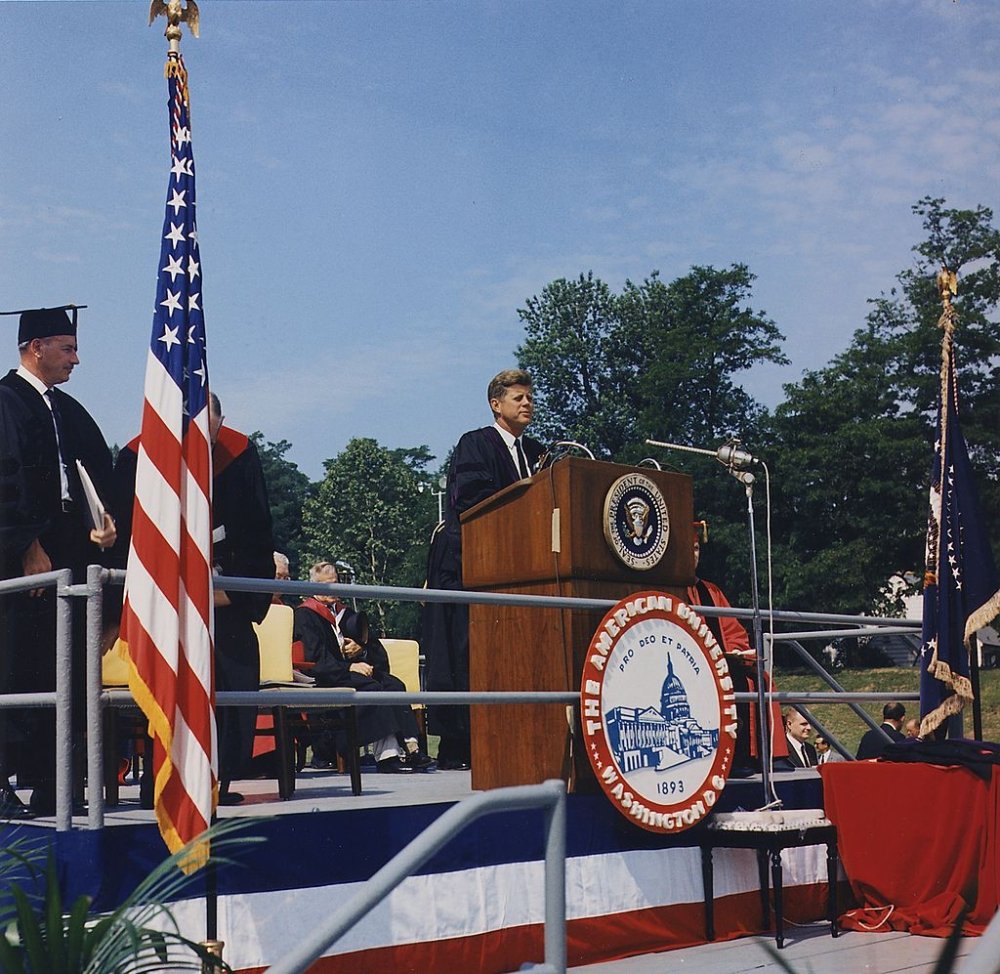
918 842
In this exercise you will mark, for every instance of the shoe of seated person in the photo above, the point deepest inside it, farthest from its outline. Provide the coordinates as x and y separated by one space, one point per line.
228 797
419 761
11 807
394 765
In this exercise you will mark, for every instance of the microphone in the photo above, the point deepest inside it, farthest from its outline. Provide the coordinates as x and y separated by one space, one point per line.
734 457
550 455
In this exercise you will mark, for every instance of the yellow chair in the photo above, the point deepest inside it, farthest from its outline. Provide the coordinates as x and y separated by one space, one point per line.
118 721
404 664
274 637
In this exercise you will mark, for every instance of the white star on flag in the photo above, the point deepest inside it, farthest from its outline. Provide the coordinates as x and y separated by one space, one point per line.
169 337
172 303
173 268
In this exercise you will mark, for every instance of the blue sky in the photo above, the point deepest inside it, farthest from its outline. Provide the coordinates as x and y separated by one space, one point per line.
382 184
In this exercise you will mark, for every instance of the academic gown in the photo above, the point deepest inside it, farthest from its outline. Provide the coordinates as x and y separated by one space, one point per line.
240 511
314 629
481 465
740 656
31 507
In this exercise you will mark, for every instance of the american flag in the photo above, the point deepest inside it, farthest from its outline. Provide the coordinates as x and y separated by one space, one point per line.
167 618
960 580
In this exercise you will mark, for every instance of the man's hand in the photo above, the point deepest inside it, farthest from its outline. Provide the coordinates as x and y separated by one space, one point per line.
365 669
35 561
107 535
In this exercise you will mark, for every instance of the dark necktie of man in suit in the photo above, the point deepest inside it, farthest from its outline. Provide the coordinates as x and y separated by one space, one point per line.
522 460
60 435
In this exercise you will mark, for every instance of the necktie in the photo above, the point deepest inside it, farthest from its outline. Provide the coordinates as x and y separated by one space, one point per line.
60 441
522 461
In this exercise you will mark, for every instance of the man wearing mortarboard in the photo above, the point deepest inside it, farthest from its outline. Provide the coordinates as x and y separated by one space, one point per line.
46 524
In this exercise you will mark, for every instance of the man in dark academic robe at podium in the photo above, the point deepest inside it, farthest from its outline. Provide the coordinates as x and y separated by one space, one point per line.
485 461
45 525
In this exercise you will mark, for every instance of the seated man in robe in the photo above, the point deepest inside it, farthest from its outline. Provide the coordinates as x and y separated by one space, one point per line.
334 645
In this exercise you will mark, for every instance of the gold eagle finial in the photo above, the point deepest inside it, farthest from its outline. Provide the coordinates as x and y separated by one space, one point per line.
176 14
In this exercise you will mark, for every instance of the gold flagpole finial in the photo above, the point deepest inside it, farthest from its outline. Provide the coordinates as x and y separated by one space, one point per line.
947 282
176 14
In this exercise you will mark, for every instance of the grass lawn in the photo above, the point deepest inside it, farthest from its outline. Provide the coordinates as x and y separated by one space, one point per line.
847 727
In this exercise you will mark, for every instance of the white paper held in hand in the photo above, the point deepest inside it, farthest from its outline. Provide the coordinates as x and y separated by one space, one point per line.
94 503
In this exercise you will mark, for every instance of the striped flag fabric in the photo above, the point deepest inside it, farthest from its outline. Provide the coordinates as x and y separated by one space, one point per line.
961 594
167 615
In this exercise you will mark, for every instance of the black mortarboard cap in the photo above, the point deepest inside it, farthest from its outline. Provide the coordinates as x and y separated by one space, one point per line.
46 322
354 625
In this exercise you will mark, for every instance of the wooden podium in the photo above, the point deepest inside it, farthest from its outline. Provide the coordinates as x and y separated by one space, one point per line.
545 536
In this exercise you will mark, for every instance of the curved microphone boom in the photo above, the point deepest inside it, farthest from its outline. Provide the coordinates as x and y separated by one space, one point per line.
550 455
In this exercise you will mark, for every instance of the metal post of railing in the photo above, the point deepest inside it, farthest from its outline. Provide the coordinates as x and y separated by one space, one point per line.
555 883
823 675
549 794
64 700
95 717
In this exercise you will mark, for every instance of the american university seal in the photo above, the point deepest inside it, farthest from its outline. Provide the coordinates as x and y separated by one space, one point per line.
636 521
658 712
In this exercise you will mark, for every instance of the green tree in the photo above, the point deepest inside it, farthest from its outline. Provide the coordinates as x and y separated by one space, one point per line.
854 440
660 361
287 489
695 337
849 506
584 378
369 511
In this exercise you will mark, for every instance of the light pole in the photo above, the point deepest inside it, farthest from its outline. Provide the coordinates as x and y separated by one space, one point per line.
439 494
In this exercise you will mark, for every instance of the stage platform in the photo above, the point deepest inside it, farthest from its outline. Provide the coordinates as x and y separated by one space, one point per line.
811 950
475 907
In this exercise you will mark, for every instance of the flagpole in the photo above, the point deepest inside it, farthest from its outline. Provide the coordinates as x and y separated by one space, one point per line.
176 14
947 282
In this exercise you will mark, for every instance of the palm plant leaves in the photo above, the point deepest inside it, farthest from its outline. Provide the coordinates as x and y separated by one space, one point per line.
140 935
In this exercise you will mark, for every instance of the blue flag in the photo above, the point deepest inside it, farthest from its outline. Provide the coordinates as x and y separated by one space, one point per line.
960 581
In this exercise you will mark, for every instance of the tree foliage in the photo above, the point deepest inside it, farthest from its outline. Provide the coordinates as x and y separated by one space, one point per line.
369 511
656 361
660 361
854 440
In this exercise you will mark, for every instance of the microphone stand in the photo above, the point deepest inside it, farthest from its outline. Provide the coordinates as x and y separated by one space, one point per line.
763 710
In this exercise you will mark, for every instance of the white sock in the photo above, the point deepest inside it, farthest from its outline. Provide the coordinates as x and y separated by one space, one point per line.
386 748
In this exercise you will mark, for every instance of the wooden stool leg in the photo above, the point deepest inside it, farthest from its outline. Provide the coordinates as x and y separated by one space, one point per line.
776 878
708 883
832 860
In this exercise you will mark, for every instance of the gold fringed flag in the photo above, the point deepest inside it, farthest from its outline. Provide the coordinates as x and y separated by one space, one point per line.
167 618
961 594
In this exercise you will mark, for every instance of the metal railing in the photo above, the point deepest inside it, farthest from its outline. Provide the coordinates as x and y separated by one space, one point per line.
98 698
549 796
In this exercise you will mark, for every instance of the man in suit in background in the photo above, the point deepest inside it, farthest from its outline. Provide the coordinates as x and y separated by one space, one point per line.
873 743
801 754
45 525
485 461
